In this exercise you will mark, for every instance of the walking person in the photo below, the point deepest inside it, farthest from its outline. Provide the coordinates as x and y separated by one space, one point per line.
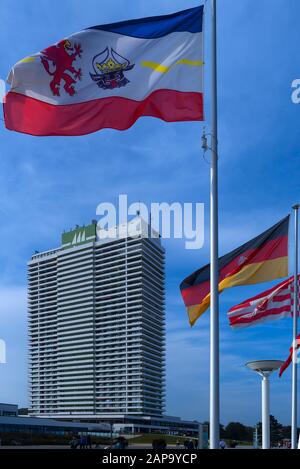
82 442
222 444
89 441
74 443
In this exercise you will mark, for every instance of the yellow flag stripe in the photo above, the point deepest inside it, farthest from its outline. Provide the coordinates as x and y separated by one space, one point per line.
259 272
250 274
27 59
165 69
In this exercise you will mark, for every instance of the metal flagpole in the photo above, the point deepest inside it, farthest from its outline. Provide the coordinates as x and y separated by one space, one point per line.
295 333
214 255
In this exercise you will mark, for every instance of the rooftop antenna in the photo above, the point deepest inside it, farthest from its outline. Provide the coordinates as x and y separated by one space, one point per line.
138 212
150 224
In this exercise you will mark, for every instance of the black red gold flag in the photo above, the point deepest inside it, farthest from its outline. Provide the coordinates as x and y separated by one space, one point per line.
262 259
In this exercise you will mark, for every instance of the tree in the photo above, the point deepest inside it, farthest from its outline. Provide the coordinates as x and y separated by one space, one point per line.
276 431
286 432
222 429
238 431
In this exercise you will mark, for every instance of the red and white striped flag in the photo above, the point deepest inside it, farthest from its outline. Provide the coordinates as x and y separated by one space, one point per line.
275 303
290 357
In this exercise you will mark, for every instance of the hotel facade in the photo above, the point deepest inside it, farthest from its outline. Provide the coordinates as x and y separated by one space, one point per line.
97 324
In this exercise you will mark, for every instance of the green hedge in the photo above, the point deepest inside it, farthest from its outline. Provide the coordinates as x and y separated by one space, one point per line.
23 439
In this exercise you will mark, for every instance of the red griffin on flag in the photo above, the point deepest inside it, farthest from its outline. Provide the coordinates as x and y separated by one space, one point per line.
262 259
109 76
275 303
62 57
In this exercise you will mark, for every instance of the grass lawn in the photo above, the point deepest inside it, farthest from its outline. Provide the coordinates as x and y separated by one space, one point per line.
170 439
149 437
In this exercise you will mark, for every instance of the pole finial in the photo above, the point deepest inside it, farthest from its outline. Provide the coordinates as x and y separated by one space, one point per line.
296 207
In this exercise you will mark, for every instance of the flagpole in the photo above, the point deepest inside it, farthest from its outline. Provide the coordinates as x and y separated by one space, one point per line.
295 334
214 255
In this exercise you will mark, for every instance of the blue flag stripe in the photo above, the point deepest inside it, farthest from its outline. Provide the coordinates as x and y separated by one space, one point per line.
190 20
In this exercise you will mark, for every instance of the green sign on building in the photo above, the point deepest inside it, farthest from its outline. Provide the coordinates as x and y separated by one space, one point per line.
78 236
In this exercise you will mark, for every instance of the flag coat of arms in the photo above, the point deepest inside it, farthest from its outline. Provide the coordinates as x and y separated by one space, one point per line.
108 76
262 259
275 303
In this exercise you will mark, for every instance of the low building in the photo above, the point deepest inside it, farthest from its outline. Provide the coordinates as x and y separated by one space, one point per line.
10 422
133 424
165 425
8 410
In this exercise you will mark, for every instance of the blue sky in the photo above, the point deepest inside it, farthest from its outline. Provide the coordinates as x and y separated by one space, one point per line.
51 184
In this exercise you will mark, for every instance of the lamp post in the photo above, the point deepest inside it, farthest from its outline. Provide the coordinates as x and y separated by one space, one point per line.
265 368
255 437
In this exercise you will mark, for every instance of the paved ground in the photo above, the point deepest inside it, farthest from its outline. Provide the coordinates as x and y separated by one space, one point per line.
36 447
133 446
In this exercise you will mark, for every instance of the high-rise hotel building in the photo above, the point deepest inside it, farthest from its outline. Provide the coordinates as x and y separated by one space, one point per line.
97 324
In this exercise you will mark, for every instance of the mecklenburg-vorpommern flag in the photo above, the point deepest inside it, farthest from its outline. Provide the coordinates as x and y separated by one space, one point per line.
108 76
262 259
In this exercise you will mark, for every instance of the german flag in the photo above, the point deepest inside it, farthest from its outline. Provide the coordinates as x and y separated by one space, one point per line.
262 259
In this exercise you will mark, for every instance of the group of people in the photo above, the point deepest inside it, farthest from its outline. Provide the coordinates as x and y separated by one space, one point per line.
189 445
81 442
119 443
85 442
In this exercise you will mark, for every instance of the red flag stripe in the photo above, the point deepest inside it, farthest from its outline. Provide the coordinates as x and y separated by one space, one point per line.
275 312
119 113
290 358
251 312
276 299
275 303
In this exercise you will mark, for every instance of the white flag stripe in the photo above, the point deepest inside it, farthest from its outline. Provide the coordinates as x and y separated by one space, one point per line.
261 320
30 78
273 304
278 298
254 311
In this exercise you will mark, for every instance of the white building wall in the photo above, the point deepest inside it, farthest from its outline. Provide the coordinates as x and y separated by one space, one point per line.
96 327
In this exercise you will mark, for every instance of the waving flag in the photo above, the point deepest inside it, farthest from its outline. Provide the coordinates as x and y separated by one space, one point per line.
275 303
289 360
262 259
108 76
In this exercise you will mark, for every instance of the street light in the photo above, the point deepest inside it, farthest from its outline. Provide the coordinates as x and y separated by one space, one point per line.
265 368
